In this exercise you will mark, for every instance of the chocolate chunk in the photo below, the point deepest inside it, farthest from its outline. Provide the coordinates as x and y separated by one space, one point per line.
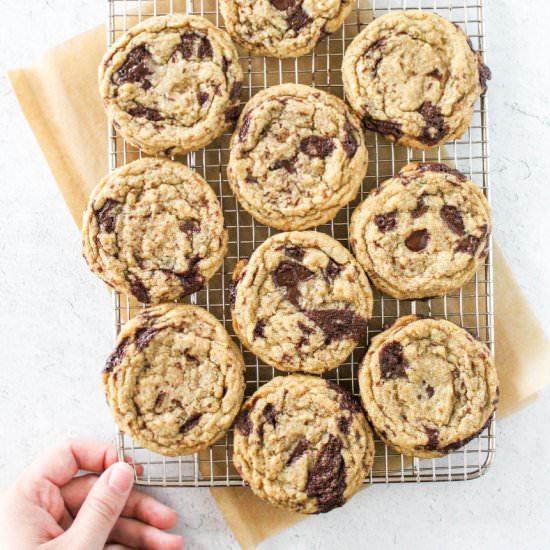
289 275
250 179
430 391
116 357
317 146
484 75
190 357
417 240
202 97
385 127
435 74
299 449
461 442
282 5
297 18
440 167
326 481
232 290
205 48
436 128
285 164
433 438
333 269
339 324
160 399
134 68
453 218
374 52
190 226
243 423
270 414
232 114
386 222
225 65
187 45
294 252
259 329
190 423
138 289
145 112
347 400
245 123
235 92
421 208
349 143
107 215
468 244
143 337
191 280
392 362
343 424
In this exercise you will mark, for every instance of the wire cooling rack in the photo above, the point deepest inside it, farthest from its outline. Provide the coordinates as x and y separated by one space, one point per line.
471 307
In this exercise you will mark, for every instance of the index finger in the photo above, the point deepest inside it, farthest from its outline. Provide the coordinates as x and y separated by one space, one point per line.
63 462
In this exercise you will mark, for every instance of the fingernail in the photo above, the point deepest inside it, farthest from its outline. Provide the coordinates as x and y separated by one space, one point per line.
121 478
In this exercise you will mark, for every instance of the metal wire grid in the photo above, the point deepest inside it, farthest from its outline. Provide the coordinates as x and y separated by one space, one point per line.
471 307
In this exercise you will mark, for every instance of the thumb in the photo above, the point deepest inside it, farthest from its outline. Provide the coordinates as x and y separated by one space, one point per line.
102 508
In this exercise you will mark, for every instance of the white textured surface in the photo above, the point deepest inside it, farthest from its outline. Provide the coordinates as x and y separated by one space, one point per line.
55 317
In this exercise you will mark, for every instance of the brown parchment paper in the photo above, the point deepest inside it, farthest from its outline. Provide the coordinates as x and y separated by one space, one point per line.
58 96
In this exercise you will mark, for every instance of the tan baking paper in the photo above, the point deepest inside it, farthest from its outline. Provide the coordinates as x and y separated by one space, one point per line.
58 96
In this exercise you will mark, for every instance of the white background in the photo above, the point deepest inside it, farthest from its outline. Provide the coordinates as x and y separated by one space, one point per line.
55 318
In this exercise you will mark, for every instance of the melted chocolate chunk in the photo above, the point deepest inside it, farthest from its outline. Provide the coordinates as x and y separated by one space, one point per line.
259 329
232 290
433 438
436 128
243 423
295 252
326 481
347 400
202 97
297 18
461 442
205 48
430 391
300 448
107 215
160 399
191 280
333 269
343 424
417 240
270 414
145 112
282 5
435 74
289 275
339 324
192 421
468 244
143 337
187 45
138 289
421 208
285 164
116 357
134 68
453 218
385 127
245 123
392 362
440 167
317 146
386 222
235 92
232 114
349 143
225 65
190 226
484 75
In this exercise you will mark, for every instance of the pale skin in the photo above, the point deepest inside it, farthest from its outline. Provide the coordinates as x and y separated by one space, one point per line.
51 507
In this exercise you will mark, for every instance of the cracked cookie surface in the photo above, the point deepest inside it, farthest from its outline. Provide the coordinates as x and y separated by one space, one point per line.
175 381
171 84
301 303
428 386
303 443
414 77
298 155
423 233
154 229
282 28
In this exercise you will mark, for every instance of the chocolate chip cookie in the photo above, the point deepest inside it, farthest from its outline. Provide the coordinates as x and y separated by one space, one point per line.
422 233
301 303
298 155
282 28
414 77
175 381
171 84
154 229
428 386
302 443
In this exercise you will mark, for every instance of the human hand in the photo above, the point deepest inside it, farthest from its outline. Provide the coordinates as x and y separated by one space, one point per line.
48 508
